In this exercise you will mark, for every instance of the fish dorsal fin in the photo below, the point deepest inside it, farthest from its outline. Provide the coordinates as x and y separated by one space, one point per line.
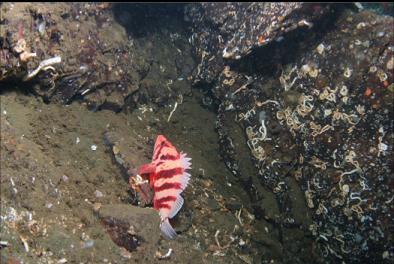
160 144
177 206
186 164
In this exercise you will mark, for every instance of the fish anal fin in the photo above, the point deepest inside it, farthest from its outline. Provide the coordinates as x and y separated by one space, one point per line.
167 229
176 207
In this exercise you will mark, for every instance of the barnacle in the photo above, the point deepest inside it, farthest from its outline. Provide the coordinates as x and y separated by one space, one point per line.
309 196
229 82
337 202
318 163
298 174
390 64
360 109
227 72
327 112
317 129
321 209
373 69
250 133
381 75
320 48
352 119
313 73
357 209
305 107
361 25
345 189
343 91
349 158
257 151
348 72
328 94
278 188
291 119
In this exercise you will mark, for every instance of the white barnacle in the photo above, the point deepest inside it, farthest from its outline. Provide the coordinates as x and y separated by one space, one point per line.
320 48
309 198
360 25
305 68
305 106
226 54
314 72
250 133
343 91
348 72
345 189
382 147
327 112
373 69
381 75
303 22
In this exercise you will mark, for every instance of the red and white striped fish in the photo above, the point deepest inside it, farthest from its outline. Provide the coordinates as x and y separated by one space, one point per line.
168 178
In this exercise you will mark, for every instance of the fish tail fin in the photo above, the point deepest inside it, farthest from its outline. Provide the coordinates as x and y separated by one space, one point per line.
167 229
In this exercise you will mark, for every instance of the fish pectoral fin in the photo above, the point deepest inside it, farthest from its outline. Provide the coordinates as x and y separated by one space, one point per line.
177 206
146 168
167 229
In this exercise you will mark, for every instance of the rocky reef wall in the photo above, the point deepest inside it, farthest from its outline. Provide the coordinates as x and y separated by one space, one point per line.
303 96
311 86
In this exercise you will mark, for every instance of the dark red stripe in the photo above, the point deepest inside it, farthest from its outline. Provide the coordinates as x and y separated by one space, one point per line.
166 174
162 202
162 145
169 157
164 158
158 206
168 185
159 163
169 198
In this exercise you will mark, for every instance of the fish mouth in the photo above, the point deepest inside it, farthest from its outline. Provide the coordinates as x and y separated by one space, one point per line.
136 180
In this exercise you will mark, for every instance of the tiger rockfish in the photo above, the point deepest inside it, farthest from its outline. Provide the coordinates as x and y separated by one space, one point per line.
168 179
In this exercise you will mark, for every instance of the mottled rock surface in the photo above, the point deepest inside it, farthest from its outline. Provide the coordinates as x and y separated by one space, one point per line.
131 227
109 59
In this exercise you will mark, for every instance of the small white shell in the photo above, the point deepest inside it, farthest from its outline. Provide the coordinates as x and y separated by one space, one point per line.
320 48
